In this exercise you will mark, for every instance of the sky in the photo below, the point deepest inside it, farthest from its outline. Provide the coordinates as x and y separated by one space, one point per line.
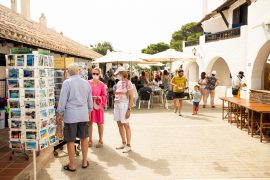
130 25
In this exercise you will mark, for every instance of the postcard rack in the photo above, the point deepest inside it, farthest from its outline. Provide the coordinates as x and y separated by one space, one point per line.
30 81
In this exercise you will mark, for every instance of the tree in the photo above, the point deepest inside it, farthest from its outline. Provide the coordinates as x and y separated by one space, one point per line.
188 32
155 48
102 47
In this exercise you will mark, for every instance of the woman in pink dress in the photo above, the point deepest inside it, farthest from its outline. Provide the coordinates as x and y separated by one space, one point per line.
99 101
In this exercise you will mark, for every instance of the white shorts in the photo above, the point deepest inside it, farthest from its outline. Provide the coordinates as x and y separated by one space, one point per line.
120 110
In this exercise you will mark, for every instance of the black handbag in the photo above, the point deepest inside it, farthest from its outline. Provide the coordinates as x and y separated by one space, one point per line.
235 91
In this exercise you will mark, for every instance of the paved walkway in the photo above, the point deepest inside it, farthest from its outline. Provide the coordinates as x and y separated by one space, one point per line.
169 147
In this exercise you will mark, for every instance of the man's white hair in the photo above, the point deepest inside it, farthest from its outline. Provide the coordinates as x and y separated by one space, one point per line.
73 69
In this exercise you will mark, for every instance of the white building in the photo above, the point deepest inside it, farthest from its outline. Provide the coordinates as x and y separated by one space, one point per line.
236 37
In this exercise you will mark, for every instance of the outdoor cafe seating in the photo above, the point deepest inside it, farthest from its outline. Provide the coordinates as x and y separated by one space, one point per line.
247 114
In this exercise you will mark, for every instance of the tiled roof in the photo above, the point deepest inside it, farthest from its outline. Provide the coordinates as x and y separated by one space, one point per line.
16 28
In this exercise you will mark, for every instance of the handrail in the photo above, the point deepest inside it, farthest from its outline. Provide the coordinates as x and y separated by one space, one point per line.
228 34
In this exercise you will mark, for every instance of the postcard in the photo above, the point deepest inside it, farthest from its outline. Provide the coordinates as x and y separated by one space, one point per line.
40 60
50 82
42 93
50 73
51 102
15 134
30 125
29 93
15 124
14 93
29 104
45 61
43 104
51 129
15 113
52 121
42 73
43 143
44 124
30 60
43 133
31 145
42 83
14 104
43 113
20 60
31 135
13 73
29 83
52 139
16 145
10 60
30 114
28 73
13 83
50 92
50 61
51 111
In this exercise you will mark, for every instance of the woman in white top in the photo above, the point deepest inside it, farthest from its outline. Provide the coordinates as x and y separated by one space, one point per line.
202 82
123 103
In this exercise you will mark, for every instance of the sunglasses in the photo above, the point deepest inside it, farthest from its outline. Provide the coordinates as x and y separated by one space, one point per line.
95 74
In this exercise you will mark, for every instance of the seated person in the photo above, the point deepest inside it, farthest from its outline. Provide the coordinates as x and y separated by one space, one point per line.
145 89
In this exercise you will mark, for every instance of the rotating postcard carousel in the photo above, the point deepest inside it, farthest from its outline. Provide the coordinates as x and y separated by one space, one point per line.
30 82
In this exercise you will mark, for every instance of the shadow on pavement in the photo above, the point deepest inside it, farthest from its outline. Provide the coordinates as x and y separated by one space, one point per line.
113 158
159 166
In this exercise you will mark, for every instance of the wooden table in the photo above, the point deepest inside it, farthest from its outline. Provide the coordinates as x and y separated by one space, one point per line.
237 106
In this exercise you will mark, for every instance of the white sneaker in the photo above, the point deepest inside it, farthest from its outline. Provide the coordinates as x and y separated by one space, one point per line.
122 146
127 149
175 110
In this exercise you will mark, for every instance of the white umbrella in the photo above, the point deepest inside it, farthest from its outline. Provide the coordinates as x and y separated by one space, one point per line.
117 57
171 55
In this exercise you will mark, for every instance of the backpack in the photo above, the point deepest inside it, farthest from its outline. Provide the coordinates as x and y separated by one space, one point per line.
211 85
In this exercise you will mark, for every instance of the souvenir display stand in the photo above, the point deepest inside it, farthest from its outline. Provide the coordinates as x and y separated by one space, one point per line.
30 81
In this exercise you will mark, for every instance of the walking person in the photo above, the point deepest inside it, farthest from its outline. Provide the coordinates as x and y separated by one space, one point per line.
166 81
237 84
196 98
99 96
212 83
179 84
75 106
202 82
123 103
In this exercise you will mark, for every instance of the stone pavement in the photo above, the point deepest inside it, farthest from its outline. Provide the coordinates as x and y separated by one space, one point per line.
169 147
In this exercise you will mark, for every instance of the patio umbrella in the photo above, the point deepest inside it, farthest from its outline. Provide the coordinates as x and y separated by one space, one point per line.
171 55
117 57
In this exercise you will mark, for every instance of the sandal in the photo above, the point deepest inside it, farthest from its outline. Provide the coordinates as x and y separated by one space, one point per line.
86 165
67 168
99 145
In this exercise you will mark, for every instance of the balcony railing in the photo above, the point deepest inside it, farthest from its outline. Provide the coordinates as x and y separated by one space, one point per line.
192 43
229 34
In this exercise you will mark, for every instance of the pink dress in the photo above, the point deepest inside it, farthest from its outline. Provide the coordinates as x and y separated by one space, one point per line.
97 116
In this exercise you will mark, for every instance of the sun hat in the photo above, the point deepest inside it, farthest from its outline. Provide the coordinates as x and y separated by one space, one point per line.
214 72
119 69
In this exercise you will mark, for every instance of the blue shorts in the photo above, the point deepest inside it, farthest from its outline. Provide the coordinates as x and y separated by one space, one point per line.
196 104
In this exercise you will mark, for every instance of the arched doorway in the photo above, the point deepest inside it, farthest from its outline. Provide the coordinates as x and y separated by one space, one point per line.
192 72
223 72
260 78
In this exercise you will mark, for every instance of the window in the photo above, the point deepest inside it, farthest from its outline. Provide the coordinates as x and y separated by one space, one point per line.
240 16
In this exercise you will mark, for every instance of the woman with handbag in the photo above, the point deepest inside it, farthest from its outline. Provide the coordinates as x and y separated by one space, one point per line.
99 101
123 102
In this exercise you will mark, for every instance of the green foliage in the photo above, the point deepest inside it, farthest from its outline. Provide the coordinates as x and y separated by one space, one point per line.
155 48
102 47
187 32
